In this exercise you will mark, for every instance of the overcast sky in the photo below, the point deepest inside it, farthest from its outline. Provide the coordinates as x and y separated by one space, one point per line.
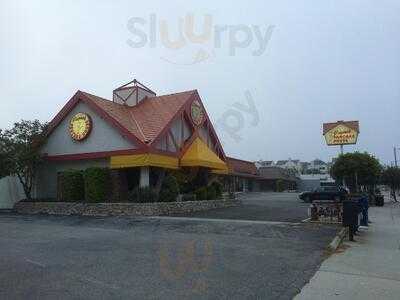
300 63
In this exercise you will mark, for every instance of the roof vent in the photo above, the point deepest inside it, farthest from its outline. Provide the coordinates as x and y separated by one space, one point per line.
131 93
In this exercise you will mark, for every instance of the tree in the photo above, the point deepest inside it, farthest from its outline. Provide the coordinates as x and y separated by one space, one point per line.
280 185
356 170
391 178
19 152
169 189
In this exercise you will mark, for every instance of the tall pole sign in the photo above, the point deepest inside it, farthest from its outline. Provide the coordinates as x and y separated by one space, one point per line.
341 133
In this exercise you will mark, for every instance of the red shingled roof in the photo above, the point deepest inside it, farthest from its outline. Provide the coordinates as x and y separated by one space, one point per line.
148 118
241 166
142 122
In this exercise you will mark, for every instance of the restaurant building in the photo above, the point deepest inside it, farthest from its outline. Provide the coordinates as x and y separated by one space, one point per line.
136 133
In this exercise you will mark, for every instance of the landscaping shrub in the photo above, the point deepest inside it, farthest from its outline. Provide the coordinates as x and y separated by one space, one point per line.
211 192
142 195
169 189
201 193
218 189
280 185
72 186
97 184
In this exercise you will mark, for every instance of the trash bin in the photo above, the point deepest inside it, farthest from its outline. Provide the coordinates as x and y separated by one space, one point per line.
351 209
379 200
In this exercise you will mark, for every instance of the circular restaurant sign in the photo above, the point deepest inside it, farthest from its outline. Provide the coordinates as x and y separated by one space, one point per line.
197 113
80 126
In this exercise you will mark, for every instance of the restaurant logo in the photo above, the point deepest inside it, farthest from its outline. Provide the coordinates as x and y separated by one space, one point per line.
341 135
80 126
197 113
191 39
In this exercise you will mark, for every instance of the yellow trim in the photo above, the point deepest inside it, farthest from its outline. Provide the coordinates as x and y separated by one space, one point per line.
199 155
142 160
221 172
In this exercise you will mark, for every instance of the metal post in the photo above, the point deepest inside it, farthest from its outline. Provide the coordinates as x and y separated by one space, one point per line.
341 152
351 233
356 181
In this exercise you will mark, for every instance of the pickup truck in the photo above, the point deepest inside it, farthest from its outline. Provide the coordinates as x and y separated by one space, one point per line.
324 193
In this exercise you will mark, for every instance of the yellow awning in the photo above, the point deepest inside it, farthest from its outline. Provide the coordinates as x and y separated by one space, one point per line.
142 160
199 155
221 172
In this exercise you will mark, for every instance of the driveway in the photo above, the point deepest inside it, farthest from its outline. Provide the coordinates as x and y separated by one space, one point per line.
283 207
49 257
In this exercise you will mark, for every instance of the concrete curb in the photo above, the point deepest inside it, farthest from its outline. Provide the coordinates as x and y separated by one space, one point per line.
223 220
337 239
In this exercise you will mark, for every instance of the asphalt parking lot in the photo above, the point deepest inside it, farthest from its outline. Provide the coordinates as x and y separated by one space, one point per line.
281 207
49 257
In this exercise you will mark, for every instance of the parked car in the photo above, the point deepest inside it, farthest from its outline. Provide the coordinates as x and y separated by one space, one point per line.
324 193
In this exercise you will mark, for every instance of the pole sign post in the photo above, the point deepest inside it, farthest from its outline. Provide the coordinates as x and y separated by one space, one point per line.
341 133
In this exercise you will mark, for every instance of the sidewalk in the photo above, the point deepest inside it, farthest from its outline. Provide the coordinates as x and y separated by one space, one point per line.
366 269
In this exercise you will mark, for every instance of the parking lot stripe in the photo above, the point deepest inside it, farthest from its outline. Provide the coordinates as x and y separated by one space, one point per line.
35 263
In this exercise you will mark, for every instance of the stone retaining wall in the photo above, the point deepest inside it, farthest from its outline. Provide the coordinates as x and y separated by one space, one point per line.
121 209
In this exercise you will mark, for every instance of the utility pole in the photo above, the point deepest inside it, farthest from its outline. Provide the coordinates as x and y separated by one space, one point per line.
395 156
356 181
341 152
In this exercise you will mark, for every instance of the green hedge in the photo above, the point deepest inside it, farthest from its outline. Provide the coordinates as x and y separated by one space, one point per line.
97 184
211 192
188 197
280 185
72 186
143 195
218 189
169 189
201 193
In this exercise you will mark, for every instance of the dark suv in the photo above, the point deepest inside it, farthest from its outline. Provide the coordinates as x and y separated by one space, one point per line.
325 193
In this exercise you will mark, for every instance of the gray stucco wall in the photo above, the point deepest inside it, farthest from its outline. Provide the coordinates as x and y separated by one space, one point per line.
103 137
46 181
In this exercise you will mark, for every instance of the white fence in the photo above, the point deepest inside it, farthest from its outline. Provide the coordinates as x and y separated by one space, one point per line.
11 192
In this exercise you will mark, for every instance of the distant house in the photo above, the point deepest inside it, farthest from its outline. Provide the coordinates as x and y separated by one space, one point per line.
281 163
313 174
304 167
264 163
290 164
318 166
